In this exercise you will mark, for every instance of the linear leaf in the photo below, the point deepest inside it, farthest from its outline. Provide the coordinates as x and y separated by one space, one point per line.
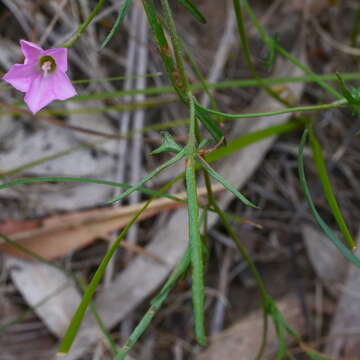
320 165
119 21
221 180
196 250
194 10
76 320
156 303
149 176
328 232
210 124
85 180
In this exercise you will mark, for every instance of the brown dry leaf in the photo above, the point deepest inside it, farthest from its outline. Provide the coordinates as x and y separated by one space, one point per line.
329 264
344 335
58 235
53 296
245 336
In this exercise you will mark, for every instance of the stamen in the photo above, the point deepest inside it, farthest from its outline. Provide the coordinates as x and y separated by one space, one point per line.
46 67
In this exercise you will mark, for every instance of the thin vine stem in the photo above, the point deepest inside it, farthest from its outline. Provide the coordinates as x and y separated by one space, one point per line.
184 82
332 105
247 55
286 54
244 253
84 25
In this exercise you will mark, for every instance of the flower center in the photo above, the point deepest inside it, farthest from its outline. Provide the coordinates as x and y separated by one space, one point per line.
47 65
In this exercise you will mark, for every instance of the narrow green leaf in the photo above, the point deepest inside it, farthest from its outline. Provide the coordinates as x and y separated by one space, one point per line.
75 323
332 105
228 186
267 39
84 25
179 271
352 96
320 164
84 180
328 232
280 331
163 46
196 250
149 176
210 124
194 10
168 144
119 21
271 56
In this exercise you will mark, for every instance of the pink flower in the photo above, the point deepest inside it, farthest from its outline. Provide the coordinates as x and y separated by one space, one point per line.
42 76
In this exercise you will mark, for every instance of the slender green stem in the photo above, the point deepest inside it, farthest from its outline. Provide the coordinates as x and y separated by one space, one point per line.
197 71
184 82
196 247
286 54
196 87
213 203
75 323
247 54
156 303
84 180
164 49
84 25
118 22
320 165
329 233
196 250
332 105
149 176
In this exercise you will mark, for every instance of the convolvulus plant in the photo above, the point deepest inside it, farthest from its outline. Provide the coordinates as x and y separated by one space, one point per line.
42 77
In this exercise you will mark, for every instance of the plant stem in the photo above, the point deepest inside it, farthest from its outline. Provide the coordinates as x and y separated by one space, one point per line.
332 105
196 246
247 55
84 25
183 81
244 253
286 54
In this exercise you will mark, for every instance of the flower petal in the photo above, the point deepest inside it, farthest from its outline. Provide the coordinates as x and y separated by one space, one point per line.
20 76
60 57
62 86
31 51
40 93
